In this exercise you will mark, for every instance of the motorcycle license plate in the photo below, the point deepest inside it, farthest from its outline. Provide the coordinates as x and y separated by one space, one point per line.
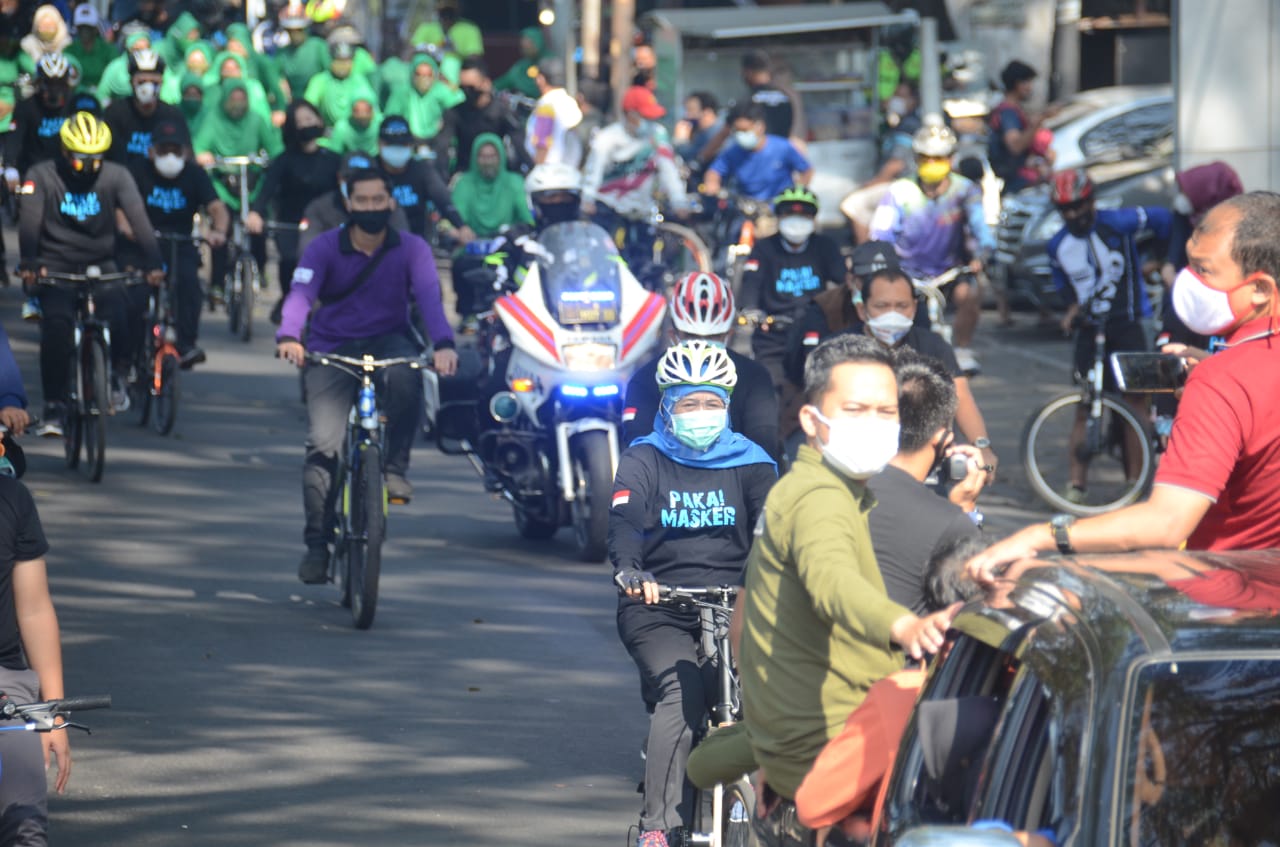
575 313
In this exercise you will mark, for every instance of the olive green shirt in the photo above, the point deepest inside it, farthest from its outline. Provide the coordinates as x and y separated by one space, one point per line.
817 619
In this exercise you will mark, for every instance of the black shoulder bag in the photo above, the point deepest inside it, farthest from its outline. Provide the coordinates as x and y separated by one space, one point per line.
361 278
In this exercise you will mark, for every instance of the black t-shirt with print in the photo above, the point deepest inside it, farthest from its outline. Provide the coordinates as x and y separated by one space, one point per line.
21 540
172 203
779 281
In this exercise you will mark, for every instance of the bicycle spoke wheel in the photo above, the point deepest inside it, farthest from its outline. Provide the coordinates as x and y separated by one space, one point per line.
251 281
234 294
679 250
1113 455
72 435
368 522
735 826
164 388
97 403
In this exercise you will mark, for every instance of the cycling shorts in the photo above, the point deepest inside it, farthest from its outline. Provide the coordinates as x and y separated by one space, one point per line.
1122 337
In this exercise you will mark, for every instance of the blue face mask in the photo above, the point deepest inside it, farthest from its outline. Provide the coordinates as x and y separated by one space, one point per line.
699 429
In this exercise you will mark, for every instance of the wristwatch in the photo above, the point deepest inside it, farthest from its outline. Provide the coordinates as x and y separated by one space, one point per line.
982 443
1059 526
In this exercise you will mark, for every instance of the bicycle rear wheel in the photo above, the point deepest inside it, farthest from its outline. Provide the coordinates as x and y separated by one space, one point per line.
252 282
97 404
164 390
368 504
234 293
1116 475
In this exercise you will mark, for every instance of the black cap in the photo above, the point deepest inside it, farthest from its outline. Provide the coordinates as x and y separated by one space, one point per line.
873 257
395 131
170 131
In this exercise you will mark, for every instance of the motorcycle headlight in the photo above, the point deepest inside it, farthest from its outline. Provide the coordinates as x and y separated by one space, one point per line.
590 357
1048 226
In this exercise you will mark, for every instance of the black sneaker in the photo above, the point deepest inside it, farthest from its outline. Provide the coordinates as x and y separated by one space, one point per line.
191 358
314 567
398 489
277 312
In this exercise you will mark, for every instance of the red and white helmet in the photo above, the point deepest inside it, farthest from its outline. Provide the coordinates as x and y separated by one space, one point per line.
702 305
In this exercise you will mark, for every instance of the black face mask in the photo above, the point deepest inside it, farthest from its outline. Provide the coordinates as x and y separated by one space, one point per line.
472 93
371 221
1082 224
557 213
308 134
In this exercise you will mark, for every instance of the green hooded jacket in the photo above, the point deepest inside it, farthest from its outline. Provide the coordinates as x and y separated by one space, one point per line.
263 69
213 81
178 39
191 110
486 205
393 74
223 135
425 112
175 77
93 60
297 65
114 83
333 97
348 138
517 76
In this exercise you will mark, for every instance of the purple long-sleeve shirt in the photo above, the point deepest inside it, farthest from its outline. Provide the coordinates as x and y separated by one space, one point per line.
328 267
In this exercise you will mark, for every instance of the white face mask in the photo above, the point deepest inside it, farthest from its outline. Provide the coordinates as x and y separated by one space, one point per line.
1204 310
396 156
145 92
859 447
796 228
1182 205
890 327
747 139
169 165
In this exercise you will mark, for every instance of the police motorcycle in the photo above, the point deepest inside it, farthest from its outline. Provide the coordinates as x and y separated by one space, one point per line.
556 351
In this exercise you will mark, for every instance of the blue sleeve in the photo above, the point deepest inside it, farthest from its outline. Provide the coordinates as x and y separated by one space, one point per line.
977 217
12 392
1159 221
728 160
1009 119
1055 269
796 160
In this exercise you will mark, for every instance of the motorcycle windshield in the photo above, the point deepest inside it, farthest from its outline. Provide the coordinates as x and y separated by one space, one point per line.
580 271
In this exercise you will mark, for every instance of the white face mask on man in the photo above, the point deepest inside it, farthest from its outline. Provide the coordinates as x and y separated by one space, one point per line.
859 447
890 327
1205 310
169 165
796 228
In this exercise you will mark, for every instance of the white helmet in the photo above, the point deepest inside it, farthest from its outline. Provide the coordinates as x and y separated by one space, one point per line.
53 66
696 363
934 140
555 176
702 304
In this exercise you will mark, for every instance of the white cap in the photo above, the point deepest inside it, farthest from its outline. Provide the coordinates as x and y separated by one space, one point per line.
86 15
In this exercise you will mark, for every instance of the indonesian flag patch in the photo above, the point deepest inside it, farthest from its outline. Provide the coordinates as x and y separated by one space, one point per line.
810 339
629 414
621 498
28 187
752 265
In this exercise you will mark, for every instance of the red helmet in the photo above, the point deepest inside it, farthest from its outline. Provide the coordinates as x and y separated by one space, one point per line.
1071 186
702 304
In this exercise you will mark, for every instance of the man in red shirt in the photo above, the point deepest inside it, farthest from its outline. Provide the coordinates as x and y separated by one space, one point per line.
1218 486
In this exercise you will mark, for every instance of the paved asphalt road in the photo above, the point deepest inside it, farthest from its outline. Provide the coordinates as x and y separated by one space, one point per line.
491 703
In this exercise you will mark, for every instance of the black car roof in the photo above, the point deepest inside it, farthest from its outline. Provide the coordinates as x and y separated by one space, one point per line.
1165 600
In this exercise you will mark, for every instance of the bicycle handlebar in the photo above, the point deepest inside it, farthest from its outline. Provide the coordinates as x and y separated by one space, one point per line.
240 161
365 364
55 277
84 704
40 717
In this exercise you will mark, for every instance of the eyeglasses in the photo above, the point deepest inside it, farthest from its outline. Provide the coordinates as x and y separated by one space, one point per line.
690 404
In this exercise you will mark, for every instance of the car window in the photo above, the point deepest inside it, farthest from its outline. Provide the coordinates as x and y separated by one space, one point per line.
1150 125
1019 766
1105 139
1202 762
1133 131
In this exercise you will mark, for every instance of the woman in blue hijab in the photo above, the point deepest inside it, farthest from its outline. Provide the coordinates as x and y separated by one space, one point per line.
685 501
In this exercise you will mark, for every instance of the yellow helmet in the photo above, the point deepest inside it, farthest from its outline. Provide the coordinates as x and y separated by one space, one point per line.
85 134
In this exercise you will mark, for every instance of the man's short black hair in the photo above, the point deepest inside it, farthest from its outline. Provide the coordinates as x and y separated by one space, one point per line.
840 350
475 63
946 581
366 175
706 100
755 61
1255 245
1016 72
551 68
888 275
926 399
746 111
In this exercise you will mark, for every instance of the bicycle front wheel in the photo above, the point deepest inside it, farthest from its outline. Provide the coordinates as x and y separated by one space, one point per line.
97 405
368 514
1114 451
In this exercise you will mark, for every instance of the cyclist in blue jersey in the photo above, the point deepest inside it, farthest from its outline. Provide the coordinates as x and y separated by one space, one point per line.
935 221
1095 265
760 166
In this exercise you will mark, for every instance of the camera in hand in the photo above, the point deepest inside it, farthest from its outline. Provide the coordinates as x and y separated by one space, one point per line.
953 468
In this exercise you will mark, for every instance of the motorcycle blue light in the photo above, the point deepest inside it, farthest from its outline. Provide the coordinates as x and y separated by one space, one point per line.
605 391
573 391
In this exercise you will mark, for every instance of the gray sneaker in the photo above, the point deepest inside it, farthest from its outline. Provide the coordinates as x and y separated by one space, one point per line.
314 567
398 489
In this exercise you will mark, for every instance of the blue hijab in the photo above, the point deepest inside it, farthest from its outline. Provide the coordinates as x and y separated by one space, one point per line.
731 449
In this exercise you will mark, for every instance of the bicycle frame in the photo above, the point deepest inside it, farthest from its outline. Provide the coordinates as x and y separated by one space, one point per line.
88 325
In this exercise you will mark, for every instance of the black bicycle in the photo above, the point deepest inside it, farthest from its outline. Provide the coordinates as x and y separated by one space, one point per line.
1115 447
43 716
722 815
89 395
243 280
361 513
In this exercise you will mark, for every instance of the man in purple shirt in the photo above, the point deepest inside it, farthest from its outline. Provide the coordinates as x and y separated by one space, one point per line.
360 312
